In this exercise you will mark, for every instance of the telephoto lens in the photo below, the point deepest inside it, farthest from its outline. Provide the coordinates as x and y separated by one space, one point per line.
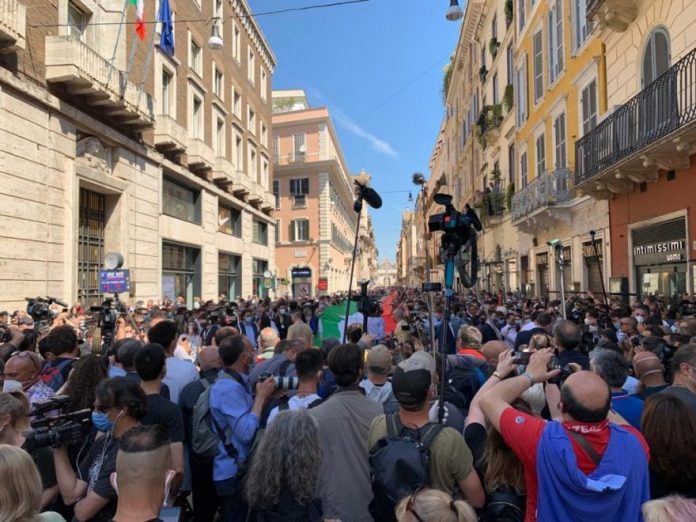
286 383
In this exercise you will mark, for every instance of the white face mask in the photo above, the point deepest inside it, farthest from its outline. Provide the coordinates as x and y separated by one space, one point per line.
640 319
10 385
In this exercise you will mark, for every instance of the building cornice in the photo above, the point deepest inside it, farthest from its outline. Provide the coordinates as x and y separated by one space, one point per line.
246 18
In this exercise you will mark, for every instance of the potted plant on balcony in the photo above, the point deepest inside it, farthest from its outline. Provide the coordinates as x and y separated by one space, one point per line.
493 46
482 73
509 192
509 97
508 13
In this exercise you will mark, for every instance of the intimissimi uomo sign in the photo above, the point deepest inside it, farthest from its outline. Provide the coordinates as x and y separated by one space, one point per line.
664 242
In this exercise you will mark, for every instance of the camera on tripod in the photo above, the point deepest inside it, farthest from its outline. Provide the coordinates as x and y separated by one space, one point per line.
65 429
39 309
367 305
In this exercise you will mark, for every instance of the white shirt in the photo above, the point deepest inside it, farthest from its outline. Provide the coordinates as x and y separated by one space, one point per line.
376 393
179 374
294 403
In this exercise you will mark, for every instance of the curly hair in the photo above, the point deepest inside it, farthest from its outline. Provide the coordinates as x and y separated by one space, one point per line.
89 371
287 459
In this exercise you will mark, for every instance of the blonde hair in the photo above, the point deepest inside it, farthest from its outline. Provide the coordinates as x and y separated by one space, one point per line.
20 494
434 505
16 405
669 509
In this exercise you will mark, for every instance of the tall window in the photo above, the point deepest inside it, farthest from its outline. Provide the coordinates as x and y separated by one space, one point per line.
260 235
229 220
258 267
77 22
494 27
197 117
510 54
540 154
656 57
588 101
218 83
276 193
237 43
238 151
538 66
299 147
264 84
92 220
559 135
521 13
251 66
523 170
496 94
229 275
253 162
581 26
180 201
299 189
264 172
195 57
181 272
237 103
276 149
167 79
511 163
251 120
521 91
555 41
220 137
264 135
299 230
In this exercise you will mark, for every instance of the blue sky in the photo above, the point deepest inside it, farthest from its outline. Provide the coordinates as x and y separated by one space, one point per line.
377 66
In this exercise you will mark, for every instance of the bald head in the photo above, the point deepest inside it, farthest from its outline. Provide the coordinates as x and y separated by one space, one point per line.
209 358
23 367
268 338
223 333
585 397
492 350
644 362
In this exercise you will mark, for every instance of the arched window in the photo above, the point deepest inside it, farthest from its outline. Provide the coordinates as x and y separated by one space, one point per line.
656 57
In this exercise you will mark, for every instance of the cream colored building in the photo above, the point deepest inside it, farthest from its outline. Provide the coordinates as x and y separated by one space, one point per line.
409 262
167 164
385 274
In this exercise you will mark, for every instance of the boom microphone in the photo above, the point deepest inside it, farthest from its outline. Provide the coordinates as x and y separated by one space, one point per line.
368 194
58 302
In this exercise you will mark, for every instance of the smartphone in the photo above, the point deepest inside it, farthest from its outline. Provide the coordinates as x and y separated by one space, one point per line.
521 358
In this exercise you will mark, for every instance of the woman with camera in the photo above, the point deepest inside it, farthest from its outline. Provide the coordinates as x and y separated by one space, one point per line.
14 422
118 406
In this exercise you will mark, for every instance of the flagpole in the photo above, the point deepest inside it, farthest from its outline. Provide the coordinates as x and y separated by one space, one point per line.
131 59
150 49
118 37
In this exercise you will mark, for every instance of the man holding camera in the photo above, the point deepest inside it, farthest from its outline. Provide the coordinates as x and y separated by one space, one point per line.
235 416
608 477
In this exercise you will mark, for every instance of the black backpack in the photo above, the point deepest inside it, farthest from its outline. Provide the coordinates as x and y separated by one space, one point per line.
400 464
463 380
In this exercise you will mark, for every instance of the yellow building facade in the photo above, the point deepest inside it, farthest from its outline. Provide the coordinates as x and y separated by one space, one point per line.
560 94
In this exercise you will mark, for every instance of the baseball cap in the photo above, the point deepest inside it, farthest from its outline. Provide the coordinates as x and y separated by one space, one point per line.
379 360
412 379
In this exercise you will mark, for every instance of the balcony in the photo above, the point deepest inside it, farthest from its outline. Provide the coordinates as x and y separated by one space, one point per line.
489 122
654 130
255 196
223 172
540 204
491 207
617 15
200 156
13 26
88 76
169 135
242 185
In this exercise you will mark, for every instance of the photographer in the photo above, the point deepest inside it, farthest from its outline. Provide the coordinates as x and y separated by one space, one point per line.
563 488
119 405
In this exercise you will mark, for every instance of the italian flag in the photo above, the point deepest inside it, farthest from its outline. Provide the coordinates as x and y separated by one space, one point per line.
139 22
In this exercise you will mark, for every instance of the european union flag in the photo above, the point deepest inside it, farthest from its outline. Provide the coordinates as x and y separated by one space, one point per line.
167 37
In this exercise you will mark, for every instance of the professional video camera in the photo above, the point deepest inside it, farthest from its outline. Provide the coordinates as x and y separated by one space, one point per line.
459 237
108 314
369 306
65 429
39 307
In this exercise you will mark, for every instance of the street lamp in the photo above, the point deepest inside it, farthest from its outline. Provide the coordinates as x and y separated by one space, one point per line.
557 246
215 40
454 12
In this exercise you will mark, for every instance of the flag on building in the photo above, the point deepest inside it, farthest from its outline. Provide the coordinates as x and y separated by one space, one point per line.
139 21
167 36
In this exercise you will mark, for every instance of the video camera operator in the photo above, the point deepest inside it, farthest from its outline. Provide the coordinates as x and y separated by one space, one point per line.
119 405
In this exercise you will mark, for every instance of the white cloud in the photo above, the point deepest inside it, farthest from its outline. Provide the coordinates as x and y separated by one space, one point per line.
377 144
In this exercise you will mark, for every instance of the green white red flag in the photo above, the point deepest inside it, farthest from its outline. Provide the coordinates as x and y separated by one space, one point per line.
139 21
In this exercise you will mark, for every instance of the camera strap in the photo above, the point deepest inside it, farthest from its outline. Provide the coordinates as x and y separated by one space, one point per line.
582 441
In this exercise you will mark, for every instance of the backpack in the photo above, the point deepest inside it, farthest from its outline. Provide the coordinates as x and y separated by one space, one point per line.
504 505
464 382
400 464
52 376
205 439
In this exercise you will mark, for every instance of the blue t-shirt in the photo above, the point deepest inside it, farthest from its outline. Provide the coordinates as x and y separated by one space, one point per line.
628 406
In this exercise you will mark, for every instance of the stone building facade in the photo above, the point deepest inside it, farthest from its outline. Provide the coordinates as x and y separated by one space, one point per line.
163 159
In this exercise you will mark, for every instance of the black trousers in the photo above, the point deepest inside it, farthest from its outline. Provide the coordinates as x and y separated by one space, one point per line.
232 505
205 499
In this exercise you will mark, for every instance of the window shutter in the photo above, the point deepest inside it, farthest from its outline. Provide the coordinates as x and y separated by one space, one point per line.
648 72
552 47
559 36
291 231
538 67
593 104
577 36
661 46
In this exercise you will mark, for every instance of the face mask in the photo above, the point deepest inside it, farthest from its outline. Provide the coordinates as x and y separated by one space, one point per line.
101 421
617 325
248 320
640 319
10 385
592 328
674 328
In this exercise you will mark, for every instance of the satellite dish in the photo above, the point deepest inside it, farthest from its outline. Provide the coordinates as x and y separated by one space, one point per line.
113 261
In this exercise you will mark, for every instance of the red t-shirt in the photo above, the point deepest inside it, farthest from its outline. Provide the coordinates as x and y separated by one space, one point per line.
471 352
522 433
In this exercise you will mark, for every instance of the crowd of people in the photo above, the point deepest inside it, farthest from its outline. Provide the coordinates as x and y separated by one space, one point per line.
489 408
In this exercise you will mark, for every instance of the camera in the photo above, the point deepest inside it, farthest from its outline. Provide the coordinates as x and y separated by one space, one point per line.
566 371
281 383
38 307
65 429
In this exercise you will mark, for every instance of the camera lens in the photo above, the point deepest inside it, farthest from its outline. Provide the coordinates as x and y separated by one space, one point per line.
286 383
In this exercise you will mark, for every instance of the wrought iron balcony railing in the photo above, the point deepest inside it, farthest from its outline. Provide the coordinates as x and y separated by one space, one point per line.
663 107
545 190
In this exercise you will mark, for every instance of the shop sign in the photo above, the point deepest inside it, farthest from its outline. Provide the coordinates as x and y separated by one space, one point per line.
662 252
301 272
323 284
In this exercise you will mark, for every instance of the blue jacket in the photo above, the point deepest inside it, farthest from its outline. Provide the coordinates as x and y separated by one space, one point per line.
613 492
